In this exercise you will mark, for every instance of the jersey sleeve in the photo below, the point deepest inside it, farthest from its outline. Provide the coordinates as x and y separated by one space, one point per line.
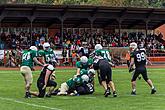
78 65
33 54
132 54
90 61
41 53
108 56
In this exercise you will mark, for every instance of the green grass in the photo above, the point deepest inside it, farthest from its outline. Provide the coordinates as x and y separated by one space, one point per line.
12 92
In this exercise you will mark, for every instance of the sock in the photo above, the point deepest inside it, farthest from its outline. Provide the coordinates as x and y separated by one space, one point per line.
134 90
153 87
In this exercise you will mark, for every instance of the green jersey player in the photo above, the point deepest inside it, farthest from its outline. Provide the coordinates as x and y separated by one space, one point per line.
48 54
28 58
72 83
84 63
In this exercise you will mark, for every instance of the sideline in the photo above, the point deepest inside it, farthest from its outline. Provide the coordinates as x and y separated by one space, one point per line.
30 104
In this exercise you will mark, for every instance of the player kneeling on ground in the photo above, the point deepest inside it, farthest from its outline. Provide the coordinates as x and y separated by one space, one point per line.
46 80
104 68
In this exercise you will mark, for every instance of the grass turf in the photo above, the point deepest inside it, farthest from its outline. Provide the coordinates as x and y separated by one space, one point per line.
12 92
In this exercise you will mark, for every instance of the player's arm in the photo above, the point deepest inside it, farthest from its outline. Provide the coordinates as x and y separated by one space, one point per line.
131 64
78 71
43 59
92 54
37 62
148 60
48 72
78 65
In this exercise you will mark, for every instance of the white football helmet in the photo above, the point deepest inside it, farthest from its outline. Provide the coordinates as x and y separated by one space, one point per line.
84 59
46 45
133 46
33 48
91 71
98 47
85 78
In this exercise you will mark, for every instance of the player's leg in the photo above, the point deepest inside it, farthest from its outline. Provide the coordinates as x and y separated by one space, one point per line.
149 81
42 91
133 82
104 80
52 85
27 74
63 89
29 80
111 83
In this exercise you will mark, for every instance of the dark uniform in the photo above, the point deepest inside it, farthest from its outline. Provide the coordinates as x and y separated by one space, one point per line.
86 87
139 56
41 82
105 69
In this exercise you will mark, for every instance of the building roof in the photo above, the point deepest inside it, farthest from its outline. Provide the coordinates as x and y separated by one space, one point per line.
80 16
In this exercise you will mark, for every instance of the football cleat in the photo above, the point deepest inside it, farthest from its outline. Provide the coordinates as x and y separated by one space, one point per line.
133 93
106 93
27 95
114 94
48 95
153 91
109 90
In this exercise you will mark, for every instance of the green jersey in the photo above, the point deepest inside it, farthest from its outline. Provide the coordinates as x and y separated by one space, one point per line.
27 58
104 54
83 71
84 66
48 55
73 82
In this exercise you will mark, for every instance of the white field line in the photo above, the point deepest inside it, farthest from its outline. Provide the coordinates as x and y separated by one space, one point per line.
29 104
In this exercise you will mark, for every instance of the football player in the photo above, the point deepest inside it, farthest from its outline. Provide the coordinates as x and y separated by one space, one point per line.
84 63
28 58
48 54
102 65
69 87
88 87
100 52
45 80
139 58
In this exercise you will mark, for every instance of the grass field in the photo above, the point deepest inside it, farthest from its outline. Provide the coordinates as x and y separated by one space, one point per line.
12 92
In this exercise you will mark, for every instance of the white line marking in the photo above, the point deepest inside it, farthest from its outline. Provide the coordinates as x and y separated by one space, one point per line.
30 104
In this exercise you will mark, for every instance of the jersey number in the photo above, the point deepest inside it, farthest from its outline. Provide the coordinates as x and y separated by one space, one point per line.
140 57
26 56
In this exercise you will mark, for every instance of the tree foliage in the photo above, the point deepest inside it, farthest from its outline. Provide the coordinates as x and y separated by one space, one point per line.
114 3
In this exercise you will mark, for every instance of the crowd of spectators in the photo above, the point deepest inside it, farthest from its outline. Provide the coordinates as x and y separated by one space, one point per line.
74 45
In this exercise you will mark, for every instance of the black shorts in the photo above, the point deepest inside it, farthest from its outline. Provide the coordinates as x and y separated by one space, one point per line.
105 71
138 71
43 91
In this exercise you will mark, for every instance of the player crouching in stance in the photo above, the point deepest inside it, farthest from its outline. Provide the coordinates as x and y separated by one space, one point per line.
45 80
139 58
104 68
